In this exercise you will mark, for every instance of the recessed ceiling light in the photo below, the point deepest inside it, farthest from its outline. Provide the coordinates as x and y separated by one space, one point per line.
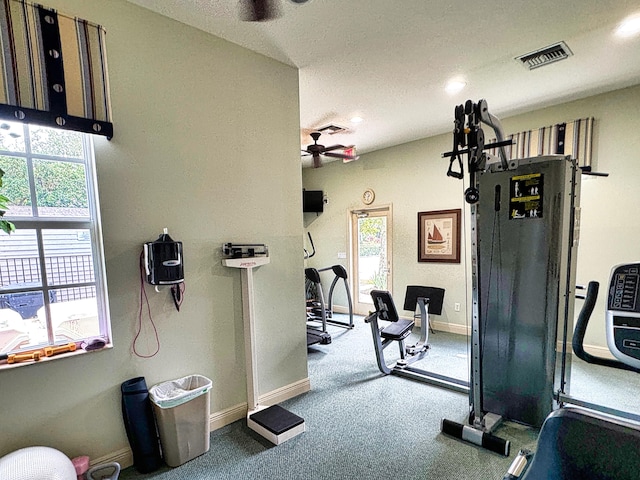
629 27
454 86
356 119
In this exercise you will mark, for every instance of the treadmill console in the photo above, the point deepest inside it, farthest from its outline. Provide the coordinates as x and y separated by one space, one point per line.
623 314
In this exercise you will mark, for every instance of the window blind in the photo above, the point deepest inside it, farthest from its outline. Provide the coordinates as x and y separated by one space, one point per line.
53 69
570 138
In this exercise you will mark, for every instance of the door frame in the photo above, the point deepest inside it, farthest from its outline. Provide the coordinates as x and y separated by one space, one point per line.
352 215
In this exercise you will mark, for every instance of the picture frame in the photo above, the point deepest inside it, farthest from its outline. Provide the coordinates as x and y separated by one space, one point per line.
439 236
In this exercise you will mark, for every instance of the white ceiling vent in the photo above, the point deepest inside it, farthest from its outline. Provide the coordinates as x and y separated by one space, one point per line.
545 56
332 129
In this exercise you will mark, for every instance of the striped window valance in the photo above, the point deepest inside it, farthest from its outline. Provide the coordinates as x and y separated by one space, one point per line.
53 69
571 138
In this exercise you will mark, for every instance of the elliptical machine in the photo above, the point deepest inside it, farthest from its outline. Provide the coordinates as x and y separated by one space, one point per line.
583 443
320 311
622 320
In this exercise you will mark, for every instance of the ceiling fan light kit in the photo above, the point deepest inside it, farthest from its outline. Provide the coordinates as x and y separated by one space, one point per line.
351 154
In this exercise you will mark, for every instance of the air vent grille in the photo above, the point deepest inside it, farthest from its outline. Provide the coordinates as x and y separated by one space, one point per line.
331 129
545 56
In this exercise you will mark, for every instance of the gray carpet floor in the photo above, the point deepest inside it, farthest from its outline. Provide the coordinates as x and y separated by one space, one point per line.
362 424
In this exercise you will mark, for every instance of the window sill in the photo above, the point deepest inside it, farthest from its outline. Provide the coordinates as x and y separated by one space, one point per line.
7 366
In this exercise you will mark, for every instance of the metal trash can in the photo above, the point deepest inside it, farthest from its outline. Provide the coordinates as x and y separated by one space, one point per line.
182 410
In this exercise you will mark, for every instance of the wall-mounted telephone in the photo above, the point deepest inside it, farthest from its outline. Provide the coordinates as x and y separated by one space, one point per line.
163 261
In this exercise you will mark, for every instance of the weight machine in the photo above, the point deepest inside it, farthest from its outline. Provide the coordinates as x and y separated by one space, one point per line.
428 300
523 239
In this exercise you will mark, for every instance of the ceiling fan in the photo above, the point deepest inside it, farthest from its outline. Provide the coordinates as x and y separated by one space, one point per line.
262 10
316 150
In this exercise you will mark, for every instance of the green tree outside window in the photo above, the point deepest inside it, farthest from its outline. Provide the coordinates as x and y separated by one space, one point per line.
5 225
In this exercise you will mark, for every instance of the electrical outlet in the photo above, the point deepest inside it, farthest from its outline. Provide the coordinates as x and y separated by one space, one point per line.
342 254
456 307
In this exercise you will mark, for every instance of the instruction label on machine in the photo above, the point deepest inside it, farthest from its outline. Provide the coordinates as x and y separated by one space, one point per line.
525 193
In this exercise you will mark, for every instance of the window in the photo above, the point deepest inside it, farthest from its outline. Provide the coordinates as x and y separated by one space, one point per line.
52 286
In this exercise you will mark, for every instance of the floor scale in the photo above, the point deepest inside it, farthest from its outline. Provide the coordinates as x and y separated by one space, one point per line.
274 423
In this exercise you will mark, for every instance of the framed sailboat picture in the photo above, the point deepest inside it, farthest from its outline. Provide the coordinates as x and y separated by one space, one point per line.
439 236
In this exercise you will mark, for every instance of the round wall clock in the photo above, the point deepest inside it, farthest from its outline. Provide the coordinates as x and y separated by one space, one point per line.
368 196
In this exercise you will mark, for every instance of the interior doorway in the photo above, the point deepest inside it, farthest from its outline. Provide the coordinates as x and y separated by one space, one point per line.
371 236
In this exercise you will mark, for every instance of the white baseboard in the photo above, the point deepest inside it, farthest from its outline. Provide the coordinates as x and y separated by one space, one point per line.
340 309
602 352
444 327
221 418
124 457
285 393
228 415
451 328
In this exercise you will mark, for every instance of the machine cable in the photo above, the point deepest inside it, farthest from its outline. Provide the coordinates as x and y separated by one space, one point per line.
496 240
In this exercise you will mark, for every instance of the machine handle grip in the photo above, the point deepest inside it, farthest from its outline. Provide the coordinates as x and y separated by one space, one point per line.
369 318
451 173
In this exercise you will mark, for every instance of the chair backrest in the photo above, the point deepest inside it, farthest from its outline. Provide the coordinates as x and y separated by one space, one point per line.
434 294
385 308
576 443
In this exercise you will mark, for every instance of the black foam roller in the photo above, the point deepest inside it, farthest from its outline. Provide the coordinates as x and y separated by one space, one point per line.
140 425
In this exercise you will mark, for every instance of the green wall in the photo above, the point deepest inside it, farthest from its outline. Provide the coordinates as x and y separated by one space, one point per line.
193 151
412 178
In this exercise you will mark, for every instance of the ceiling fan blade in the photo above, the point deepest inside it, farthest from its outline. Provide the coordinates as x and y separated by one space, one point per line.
304 153
317 163
258 10
334 147
342 155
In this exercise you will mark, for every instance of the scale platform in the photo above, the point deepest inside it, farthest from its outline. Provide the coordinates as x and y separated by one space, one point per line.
275 423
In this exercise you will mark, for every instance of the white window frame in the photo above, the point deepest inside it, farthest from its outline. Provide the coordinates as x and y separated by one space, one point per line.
92 223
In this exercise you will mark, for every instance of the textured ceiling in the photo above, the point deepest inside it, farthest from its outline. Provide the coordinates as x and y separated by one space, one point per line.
388 61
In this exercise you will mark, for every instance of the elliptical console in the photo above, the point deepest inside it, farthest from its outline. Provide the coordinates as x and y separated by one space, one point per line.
623 314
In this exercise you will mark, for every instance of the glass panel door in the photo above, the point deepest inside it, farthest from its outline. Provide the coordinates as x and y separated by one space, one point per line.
371 253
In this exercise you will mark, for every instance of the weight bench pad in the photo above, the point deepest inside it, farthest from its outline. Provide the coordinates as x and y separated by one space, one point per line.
398 330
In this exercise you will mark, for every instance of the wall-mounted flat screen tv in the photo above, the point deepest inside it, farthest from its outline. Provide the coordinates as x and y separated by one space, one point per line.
312 201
